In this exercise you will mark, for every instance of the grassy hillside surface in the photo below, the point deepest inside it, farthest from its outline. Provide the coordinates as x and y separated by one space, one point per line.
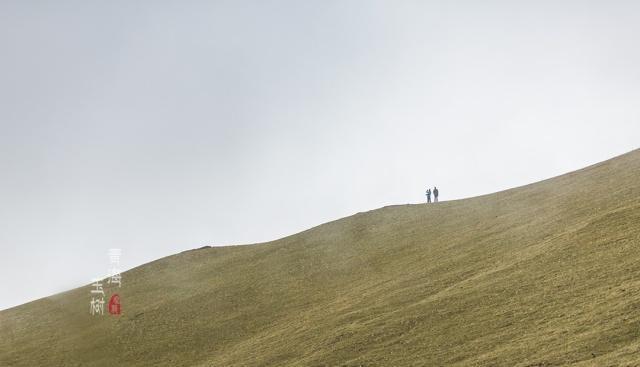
542 275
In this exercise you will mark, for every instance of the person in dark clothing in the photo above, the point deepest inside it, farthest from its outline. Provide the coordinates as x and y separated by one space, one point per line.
435 194
428 195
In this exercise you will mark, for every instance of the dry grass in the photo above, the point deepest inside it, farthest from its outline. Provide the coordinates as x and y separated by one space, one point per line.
542 275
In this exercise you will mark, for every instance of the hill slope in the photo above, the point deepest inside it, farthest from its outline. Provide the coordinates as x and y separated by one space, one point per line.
542 275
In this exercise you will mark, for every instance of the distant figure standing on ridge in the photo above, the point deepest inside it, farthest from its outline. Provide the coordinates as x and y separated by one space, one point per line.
428 195
435 194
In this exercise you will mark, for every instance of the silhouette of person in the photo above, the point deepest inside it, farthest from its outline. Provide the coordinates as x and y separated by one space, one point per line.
428 195
435 194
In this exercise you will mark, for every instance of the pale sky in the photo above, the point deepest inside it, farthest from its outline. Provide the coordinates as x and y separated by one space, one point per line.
157 126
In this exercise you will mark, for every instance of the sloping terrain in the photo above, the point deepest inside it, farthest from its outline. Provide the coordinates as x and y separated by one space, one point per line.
541 275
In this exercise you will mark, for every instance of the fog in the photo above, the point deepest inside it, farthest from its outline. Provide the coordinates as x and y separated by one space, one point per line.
156 127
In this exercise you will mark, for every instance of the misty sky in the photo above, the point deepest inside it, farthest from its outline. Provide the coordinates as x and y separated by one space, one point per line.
157 127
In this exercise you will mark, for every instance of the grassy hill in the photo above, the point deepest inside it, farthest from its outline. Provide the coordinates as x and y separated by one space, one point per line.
541 275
